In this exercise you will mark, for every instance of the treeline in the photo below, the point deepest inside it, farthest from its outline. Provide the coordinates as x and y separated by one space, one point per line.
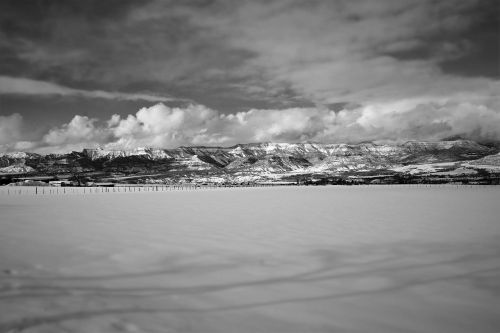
479 179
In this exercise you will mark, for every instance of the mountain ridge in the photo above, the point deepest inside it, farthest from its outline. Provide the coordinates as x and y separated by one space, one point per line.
258 160
147 150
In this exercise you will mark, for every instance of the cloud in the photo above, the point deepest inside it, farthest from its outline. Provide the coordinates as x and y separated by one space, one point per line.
360 51
78 130
162 126
235 55
327 71
24 86
293 124
168 127
429 122
12 134
10 128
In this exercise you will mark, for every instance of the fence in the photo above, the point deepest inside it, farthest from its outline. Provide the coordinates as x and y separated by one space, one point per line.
51 190
54 190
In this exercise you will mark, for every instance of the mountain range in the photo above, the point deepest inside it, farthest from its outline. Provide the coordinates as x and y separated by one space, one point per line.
263 161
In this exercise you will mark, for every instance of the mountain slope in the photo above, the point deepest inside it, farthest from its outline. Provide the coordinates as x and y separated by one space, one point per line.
254 159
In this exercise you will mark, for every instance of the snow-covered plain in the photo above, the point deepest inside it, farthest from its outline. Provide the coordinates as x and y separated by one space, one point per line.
284 259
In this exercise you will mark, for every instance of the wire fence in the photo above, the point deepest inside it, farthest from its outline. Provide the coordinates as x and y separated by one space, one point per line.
58 190
67 190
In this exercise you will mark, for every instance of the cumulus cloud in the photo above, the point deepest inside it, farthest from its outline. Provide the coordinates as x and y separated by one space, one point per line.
429 121
168 127
79 133
24 86
162 126
10 129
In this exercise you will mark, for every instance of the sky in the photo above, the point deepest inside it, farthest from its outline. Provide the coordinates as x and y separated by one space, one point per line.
121 74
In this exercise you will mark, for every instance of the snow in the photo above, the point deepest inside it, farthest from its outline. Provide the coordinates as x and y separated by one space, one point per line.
424 168
454 168
457 172
490 168
194 163
18 154
16 169
152 153
279 259
488 162
238 151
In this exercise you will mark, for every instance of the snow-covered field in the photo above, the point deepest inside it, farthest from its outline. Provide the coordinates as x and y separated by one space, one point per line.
283 259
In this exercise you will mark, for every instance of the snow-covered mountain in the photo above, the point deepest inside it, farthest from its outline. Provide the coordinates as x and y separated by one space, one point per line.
18 155
99 153
17 169
258 158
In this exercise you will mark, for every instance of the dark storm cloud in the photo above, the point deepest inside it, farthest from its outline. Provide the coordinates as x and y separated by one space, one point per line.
89 46
468 45
483 56
359 50
320 50
50 32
